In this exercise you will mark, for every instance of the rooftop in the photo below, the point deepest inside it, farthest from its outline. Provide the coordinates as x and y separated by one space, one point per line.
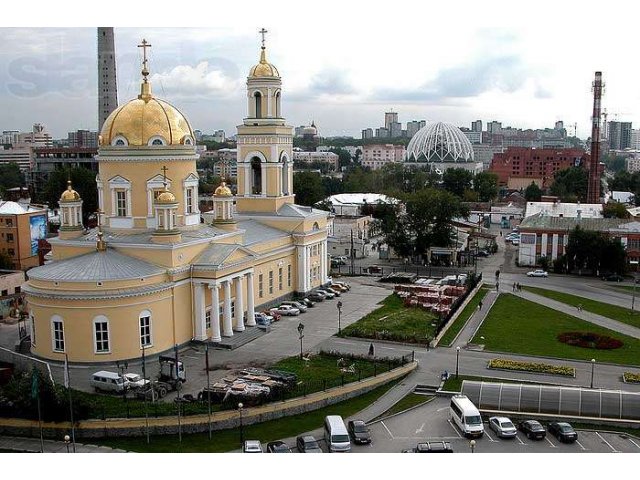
563 209
542 221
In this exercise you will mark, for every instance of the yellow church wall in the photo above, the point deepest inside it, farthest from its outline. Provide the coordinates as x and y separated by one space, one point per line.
123 317
106 285
138 173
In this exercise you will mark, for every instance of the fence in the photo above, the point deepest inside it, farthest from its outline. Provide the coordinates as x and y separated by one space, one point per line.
473 281
381 271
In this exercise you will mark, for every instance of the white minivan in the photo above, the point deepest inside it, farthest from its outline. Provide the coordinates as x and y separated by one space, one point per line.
104 381
335 434
466 416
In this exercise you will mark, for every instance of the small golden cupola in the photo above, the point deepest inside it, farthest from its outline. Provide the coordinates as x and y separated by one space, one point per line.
70 213
166 207
223 207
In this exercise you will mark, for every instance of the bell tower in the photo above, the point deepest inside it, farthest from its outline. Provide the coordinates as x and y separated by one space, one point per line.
265 158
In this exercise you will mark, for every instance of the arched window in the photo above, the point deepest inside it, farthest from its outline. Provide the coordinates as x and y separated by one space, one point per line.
256 176
285 177
315 226
278 105
145 329
101 340
257 97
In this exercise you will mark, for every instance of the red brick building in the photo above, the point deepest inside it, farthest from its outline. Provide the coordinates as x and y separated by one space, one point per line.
517 167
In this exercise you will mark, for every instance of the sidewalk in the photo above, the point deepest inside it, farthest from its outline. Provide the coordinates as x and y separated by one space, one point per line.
22 444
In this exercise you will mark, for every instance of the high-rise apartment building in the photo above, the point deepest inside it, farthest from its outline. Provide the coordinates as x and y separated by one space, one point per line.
82 138
619 135
476 126
390 118
367 133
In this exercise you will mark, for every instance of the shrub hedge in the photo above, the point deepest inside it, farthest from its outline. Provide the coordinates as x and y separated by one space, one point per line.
531 367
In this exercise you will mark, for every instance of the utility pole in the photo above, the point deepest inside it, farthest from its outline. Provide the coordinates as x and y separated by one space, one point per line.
352 255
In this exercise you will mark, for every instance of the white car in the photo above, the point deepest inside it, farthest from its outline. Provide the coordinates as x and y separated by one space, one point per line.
252 446
537 273
285 310
503 427
133 380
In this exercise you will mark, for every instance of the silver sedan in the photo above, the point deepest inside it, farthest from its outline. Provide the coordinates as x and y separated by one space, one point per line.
503 427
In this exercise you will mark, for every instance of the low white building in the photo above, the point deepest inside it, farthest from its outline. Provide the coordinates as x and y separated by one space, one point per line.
352 203
564 209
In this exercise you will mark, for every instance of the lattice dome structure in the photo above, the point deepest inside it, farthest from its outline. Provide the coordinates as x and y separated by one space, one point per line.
440 142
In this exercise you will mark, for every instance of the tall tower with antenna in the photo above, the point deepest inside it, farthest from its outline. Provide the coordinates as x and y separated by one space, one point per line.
107 80
593 192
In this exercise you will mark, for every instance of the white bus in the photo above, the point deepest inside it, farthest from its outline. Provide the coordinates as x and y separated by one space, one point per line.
466 416
336 435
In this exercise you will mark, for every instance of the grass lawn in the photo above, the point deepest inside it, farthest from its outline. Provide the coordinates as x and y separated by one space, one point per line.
393 321
448 338
408 401
228 440
520 326
614 312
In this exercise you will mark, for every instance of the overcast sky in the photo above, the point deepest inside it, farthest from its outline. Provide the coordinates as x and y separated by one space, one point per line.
342 65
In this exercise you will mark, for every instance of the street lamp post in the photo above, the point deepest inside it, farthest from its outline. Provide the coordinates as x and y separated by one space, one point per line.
241 426
593 365
300 336
472 445
457 360
67 441
339 317
635 281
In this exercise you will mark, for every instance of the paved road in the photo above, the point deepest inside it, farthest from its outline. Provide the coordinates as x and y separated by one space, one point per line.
22 444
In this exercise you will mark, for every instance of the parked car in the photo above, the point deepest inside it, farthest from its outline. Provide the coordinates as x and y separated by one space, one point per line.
335 263
337 286
294 304
309 303
278 447
359 431
503 427
252 446
316 297
285 310
614 277
307 444
263 319
344 284
327 294
482 253
335 291
134 381
532 429
537 273
563 432
515 242
431 447
276 316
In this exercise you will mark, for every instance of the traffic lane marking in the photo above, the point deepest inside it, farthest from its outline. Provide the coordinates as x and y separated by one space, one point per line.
388 431
550 442
581 446
454 428
489 436
631 440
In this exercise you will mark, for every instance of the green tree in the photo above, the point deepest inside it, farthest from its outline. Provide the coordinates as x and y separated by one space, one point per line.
533 193
615 210
5 262
457 180
10 176
570 184
593 251
308 188
621 182
83 181
486 184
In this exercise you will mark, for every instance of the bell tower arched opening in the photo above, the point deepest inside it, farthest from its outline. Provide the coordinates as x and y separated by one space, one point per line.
256 176
257 99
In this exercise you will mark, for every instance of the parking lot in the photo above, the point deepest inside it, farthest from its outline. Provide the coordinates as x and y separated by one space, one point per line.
430 422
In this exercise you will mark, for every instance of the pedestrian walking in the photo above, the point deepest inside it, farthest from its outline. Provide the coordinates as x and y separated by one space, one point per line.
514 287
497 286
371 351
579 307
480 305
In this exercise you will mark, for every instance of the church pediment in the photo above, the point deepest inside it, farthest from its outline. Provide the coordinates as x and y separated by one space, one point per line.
217 256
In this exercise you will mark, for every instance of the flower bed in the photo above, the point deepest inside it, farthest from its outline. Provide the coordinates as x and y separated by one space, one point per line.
503 364
589 340
629 377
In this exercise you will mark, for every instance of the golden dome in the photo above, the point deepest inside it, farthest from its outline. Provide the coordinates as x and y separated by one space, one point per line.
146 119
69 195
166 197
264 68
223 190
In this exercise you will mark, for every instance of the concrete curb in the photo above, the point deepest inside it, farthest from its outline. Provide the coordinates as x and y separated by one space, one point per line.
382 419
453 319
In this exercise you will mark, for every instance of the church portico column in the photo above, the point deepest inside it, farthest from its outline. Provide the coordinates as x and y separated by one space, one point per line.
215 313
239 327
227 327
251 318
199 313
